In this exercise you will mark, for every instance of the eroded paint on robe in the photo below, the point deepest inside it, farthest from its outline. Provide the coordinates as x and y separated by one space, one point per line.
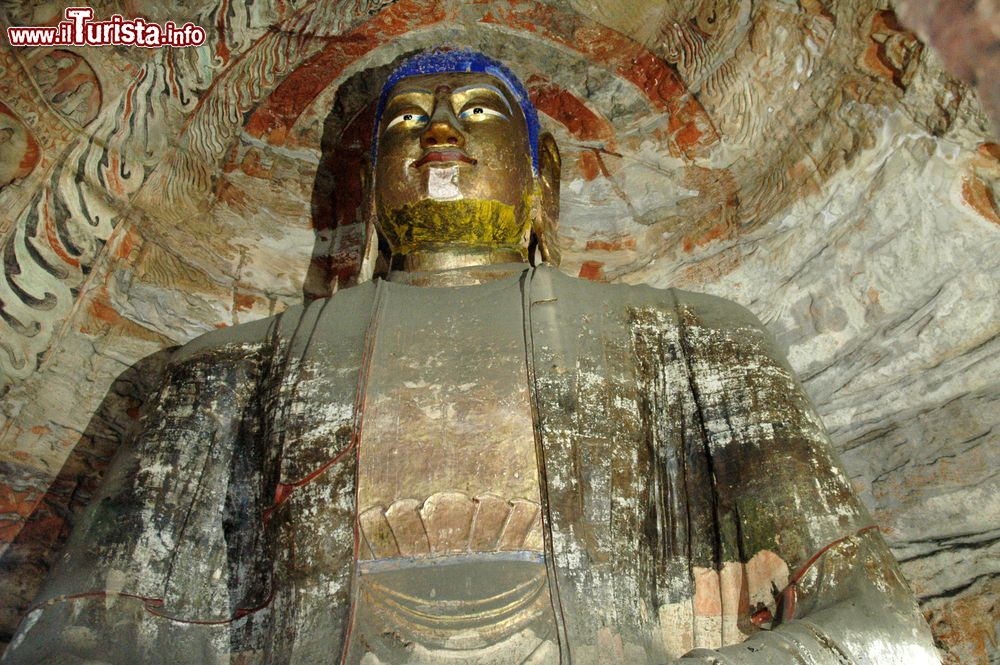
683 481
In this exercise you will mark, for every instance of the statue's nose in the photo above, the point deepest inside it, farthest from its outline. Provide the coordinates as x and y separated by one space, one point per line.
441 132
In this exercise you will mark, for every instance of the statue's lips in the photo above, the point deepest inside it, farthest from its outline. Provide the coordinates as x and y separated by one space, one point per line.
443 156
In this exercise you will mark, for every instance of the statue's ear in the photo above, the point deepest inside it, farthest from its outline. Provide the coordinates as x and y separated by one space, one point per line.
373 263
546 223
366 178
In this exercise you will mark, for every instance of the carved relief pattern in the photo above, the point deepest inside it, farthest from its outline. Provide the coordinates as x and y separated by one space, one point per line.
451 523
146 152
19 152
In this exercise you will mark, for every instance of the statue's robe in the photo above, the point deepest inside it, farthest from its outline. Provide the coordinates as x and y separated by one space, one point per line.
686 491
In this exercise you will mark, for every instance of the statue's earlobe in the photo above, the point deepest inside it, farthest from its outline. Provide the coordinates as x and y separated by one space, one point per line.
546 223
373 263
365 177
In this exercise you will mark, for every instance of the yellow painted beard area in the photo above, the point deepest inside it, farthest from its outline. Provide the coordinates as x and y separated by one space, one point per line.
462 223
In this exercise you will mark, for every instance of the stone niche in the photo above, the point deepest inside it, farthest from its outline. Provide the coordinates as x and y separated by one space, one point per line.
810 160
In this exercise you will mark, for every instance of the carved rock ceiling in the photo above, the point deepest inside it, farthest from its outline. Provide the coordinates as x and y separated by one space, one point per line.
810 160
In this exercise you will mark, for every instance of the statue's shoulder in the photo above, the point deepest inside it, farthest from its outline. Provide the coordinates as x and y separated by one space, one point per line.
701 309
249 340
710 311
244 339
729 329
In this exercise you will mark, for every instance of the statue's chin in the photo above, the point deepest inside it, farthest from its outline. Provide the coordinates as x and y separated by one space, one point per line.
470 223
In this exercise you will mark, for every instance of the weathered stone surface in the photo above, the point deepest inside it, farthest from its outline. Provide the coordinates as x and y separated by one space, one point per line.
965 34
810 160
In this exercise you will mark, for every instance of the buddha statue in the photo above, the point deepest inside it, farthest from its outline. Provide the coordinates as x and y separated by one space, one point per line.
477 460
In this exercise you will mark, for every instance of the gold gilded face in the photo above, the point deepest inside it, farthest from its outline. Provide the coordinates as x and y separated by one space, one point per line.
453 164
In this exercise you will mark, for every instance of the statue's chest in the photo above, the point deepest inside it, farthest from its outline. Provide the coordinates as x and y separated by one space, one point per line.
450 547
447 452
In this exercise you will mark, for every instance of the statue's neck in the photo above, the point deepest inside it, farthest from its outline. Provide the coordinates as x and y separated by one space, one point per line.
456 266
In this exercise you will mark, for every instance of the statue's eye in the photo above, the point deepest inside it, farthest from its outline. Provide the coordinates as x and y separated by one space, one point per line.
480 113
409 118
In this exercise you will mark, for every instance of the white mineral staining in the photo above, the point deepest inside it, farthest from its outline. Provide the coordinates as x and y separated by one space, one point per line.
442 183
888 650
25 628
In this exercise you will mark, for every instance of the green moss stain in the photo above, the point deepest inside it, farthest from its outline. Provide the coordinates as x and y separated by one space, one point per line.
465 222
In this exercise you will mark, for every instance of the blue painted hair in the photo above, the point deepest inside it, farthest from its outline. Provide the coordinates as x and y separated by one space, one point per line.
440 61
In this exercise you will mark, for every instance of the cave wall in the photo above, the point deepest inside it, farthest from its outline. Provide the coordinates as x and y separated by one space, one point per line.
811 160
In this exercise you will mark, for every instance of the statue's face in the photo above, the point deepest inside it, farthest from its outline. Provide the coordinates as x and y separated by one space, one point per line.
453 163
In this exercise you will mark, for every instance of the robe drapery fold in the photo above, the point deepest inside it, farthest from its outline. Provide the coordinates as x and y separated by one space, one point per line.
685 479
